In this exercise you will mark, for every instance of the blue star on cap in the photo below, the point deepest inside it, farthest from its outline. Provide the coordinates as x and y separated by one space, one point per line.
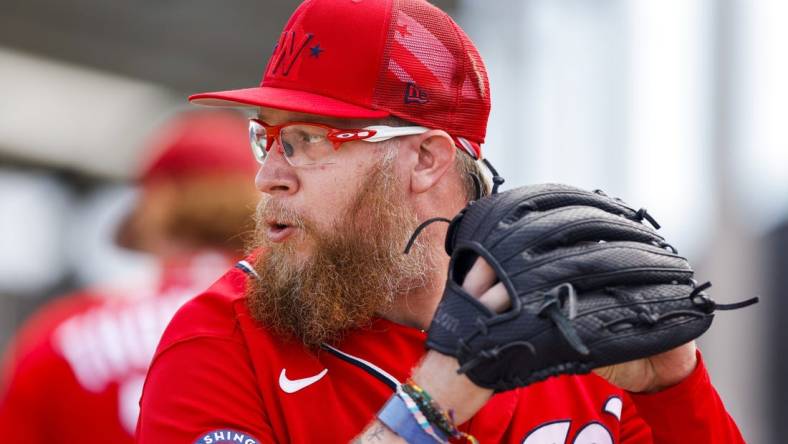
316 50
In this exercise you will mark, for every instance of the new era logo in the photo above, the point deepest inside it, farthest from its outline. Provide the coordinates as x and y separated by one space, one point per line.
414 94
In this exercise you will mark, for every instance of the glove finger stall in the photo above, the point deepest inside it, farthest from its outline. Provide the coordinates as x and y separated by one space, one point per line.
542 231
513 205
596 265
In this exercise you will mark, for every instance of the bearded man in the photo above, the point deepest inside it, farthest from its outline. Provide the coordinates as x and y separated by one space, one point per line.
371 116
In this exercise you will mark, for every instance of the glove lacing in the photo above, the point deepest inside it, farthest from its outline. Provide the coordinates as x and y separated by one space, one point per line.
551 308
697 296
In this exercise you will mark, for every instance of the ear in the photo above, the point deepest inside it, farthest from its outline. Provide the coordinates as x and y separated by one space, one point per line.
435 156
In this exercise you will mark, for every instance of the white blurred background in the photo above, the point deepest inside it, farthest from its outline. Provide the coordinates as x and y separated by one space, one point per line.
676 105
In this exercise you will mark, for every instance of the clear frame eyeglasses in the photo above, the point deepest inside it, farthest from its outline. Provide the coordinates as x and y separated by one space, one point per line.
306 143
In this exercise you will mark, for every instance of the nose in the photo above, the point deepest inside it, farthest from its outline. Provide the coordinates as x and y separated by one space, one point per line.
276 176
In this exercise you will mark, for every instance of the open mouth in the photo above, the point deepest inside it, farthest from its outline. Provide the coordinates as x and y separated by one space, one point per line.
279 231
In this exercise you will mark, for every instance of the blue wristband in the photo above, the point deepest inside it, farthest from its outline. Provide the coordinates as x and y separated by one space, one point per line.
396 416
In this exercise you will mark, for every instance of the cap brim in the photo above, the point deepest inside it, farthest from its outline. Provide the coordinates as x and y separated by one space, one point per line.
287 99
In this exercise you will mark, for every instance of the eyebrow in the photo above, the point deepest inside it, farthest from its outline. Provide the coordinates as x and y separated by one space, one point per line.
300 118
309 118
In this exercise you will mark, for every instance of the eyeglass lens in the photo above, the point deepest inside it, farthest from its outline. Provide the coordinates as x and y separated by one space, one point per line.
302 144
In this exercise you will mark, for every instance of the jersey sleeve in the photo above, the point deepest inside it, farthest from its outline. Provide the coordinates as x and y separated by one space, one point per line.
199 387
23 402
634 429
690 411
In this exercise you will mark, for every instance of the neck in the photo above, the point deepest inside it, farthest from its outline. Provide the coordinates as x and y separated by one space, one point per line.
417 307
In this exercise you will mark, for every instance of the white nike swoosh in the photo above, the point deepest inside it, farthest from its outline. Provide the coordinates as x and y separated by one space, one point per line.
294 385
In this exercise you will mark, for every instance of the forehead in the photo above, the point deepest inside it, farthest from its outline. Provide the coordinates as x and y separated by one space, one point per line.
278 117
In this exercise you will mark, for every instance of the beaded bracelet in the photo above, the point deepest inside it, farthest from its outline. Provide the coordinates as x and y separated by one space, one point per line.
434 414
417 414
430 409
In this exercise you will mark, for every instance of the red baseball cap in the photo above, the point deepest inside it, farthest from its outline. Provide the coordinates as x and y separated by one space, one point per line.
374 59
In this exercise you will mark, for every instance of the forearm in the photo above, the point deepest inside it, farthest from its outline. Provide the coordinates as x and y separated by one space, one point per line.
437 375
378 433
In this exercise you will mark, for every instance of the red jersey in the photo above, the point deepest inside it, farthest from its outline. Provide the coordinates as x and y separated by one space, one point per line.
219 376
74 373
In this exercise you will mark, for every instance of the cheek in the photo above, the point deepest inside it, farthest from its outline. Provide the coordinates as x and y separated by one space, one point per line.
331 189
326 198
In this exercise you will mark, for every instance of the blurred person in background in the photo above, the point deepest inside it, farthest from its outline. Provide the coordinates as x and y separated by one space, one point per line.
75 370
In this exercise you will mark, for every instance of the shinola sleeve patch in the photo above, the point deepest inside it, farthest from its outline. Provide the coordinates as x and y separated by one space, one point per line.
226 436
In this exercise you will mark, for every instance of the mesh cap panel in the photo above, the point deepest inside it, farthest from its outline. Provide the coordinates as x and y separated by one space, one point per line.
431 73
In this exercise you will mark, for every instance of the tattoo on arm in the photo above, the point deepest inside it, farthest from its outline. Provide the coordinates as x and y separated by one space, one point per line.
377 433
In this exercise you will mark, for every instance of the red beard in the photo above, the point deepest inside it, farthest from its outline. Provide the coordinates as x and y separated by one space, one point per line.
355 270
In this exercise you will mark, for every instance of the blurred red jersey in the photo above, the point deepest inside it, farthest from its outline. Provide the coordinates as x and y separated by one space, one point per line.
74 373
218 376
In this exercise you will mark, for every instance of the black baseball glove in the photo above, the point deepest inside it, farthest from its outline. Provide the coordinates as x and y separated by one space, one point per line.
590 285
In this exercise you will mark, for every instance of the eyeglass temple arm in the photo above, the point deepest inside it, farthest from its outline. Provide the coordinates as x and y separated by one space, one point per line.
387 132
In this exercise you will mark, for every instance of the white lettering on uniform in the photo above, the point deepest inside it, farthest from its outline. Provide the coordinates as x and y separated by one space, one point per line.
591 433
226 436
614 405
106 344
549 433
